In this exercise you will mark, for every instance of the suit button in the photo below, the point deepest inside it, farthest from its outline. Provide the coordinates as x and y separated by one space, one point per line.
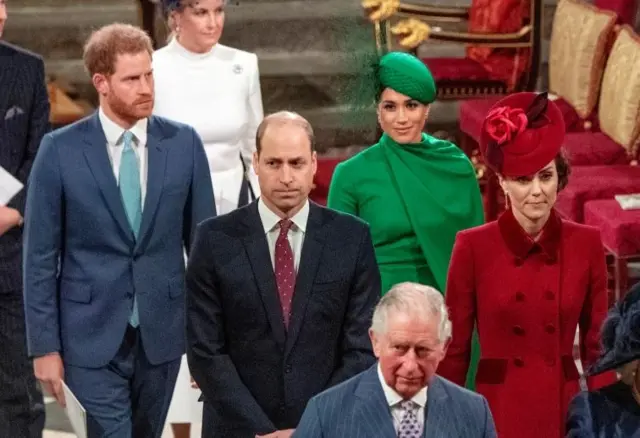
550 328
519 362
518 330
519 297
287 369
282 407
549 295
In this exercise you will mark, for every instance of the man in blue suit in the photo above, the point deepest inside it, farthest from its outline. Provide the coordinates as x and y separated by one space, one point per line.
24 119
401 396
113 201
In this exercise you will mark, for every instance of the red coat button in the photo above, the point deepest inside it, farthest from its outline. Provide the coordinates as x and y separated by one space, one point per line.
519 297
550 361
550 328
518 330
518 362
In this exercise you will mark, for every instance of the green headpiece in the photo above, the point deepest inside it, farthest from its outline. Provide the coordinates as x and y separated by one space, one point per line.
406 74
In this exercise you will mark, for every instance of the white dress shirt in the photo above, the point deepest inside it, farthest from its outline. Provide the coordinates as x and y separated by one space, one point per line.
115 146
394 399
295 235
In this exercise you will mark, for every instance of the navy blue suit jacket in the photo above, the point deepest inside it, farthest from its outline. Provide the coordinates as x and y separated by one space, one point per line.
82 263
358 408
24 119
610 412
255 375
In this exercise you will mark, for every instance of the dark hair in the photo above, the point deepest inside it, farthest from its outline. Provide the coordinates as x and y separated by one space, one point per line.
563 168
284 117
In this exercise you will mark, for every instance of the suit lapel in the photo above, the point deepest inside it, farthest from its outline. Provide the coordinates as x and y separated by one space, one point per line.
97 157
314 240
373 411
8 75
439 421
156 167
255 242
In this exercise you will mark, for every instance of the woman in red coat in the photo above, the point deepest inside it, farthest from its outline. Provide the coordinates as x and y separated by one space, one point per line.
526 280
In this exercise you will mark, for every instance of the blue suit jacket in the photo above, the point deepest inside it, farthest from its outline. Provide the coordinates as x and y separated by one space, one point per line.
358 408
24 119
82 263
610 412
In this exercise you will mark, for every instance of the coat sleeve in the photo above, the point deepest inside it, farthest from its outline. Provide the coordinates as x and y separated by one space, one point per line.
593 313
38 127
461 301
341 194
200 203
356 353
207 354
43 231
310 425
579 422
255 114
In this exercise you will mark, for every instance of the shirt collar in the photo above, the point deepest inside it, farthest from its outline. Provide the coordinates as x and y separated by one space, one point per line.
270 219
113 132
393 398
521 244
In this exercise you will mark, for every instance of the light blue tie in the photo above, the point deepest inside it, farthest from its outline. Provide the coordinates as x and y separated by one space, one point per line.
129 182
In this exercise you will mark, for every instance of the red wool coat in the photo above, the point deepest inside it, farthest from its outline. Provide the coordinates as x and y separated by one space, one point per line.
527 299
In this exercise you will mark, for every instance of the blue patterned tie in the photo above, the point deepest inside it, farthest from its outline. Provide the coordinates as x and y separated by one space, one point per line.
129 181
409 426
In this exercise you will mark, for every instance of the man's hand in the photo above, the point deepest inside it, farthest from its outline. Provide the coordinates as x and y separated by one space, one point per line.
194 384
9 218
49 371
278 434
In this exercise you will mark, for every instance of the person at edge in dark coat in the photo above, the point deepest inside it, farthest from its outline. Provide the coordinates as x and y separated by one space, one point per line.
613 411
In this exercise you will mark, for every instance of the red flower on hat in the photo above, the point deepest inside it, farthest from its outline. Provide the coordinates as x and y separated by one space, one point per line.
504 123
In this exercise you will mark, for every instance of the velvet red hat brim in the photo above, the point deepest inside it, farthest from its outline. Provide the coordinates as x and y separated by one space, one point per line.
531 150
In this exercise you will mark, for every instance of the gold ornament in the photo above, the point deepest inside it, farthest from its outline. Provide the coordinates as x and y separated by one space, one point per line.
380 10
412 32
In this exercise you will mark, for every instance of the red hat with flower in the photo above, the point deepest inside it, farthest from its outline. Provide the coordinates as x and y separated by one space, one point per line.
521 134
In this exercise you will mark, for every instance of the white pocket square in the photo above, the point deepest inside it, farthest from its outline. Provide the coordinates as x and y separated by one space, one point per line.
12 112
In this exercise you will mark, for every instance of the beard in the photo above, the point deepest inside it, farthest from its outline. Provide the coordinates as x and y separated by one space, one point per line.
131 112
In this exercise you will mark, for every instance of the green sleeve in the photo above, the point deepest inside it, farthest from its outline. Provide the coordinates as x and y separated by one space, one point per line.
341 194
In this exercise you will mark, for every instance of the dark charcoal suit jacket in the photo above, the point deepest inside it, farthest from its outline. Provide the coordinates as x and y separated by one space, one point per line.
24 119
257 377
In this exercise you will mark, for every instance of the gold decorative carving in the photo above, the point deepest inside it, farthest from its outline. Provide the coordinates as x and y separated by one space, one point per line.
412 32
380 10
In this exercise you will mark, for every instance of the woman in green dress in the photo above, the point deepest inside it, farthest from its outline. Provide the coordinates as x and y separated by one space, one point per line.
415 191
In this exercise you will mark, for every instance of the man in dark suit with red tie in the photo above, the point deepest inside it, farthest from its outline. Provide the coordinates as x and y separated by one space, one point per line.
24 119
280 295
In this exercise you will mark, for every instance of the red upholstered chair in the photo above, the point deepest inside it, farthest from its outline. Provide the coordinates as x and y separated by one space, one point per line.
620 231
502 39
619 114
589 183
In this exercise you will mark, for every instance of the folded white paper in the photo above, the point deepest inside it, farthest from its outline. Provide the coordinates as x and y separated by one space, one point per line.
9 186
629 202
75 412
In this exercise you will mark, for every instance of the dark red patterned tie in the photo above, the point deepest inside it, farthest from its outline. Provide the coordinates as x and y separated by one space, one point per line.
285 270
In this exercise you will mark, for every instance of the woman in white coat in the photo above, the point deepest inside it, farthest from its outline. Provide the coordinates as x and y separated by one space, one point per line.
215 89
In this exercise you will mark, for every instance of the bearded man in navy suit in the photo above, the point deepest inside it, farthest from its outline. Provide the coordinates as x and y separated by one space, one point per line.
112 203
